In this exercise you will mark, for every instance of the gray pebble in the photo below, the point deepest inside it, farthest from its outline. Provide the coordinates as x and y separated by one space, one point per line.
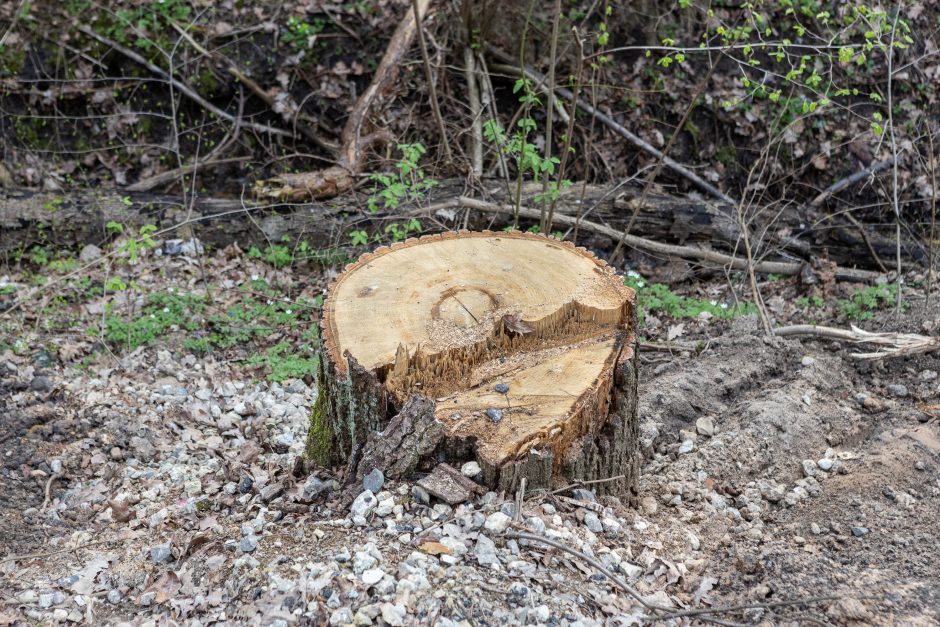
245 484
420 495
494 414
858 532
593 523
583 495
248 543
373 481
470 469
898 389
40 384
160 554
502 388
363 504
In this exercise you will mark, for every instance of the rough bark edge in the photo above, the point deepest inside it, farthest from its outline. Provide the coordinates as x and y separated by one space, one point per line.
614 450
328 333
351 404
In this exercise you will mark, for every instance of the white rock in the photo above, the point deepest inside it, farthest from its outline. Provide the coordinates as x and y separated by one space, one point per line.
363 504
470 469
372 576
825 464
705 426
385 507
457 547
497 522
394 615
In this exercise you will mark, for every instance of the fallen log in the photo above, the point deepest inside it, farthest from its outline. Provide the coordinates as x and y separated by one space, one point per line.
511 349
80 216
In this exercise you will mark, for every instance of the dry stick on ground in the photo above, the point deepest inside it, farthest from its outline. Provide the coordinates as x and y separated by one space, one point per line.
147 184
185 89
893 344
867 240
432 90
787 268
623 132
356 141
489 103
663 612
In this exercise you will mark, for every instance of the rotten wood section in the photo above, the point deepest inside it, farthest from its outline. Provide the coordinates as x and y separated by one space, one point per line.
525 345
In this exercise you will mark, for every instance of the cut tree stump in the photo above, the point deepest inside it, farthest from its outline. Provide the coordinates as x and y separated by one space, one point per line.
512 349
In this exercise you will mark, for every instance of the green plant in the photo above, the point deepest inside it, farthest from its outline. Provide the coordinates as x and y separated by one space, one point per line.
277 255
658 298
300 35
147 23
864 302
811 301
284 363
410 182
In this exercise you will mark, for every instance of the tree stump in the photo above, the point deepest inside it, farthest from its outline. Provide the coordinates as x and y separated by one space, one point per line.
512 349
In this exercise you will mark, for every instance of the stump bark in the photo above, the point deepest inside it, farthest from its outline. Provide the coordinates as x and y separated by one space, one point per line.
512 349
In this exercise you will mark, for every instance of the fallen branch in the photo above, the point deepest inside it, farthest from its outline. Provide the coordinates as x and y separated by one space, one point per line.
787 268
185 89
341 177
147 184
894 344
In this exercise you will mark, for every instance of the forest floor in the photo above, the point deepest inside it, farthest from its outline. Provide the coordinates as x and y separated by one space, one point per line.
156 474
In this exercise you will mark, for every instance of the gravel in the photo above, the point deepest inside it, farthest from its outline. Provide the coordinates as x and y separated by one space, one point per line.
206 462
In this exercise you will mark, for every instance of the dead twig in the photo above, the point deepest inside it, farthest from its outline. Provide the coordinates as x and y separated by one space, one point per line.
355 138
550 115
520 497
48 491
268 99
147 184
578 484
787 268
893 344
865 238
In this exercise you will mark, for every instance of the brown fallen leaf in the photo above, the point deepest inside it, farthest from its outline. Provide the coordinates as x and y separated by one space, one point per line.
165 587
435 548
121 511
